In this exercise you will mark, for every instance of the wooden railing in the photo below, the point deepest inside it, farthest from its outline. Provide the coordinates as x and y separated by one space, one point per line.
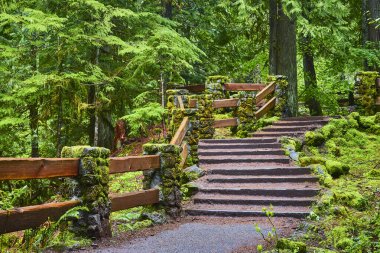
179 137
21 218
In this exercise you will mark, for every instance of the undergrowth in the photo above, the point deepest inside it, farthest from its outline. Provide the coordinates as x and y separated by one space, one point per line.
345 155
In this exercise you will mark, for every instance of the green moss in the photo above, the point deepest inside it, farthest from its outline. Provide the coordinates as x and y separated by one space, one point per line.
323 176
336 169
349 196
294 246
151 148
373 173
308 160
314 138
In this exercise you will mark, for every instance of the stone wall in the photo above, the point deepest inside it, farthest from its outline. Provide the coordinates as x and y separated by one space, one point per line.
91 186
366 92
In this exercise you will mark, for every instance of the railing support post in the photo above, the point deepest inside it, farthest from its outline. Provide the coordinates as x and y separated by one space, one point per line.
167 178
91 186
246 115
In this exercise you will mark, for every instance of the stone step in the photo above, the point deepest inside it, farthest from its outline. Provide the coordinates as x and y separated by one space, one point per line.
220 152
289 129
274 191
317 123
252 171
239 141
278 134
261 179
243 159
251 200
305 118
203 146
240 211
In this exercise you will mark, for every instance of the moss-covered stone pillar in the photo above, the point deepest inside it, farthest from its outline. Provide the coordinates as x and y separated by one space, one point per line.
245 113
281 93
365 92
205 117
214 86
92 188
167 178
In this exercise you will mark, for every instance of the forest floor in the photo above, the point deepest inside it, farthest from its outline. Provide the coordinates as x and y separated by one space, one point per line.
200 235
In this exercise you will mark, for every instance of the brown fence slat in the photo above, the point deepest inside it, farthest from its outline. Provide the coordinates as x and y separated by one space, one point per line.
244 86
233 102
225 122
128 200
33 216
134 163
29 168
194 88
180 101
266 108
265 92
184 154
181 132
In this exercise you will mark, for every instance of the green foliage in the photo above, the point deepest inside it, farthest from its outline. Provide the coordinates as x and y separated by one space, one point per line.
142 118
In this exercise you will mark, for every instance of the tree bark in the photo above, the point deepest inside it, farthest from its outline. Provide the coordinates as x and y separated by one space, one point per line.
283 52
106 129
370 12
59 122
310 78
33 124
91 100
168 9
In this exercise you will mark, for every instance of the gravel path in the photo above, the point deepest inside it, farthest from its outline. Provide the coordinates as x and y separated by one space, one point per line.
193 238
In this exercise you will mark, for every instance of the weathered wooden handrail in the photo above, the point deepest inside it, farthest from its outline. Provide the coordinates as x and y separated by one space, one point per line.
134 163
27 217
184 154
244 86
29 168
226 122
266 108
222 103
181 132
265 92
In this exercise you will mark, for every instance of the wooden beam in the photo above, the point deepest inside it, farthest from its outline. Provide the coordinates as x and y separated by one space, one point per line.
194 88
378 101
134 163
265 92
128 200
233 102
244 86
184 154
29 168
225 122
193 103
181 132
180 101
33 216
266 108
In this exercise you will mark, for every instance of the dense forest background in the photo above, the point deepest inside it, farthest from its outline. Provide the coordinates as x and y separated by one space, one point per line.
70 69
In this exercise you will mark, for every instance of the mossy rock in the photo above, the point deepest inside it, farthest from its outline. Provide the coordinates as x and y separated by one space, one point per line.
336 169
151 148
373 173
294 246
350 197
314 138
172 92
308 160
85 151
323 176
333 148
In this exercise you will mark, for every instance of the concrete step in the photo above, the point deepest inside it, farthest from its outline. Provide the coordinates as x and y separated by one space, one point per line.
289 128
261 179
278 134
203 146
274 191
251 200
242 211
301 123
252 171
243 159
238 141
223 152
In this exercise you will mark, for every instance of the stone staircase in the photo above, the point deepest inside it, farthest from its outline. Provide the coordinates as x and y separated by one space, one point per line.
245 175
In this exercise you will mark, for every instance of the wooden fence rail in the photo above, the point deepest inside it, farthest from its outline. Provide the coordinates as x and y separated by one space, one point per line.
181 132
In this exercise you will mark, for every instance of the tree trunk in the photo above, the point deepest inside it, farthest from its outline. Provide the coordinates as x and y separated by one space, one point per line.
106 130
91 100
168 9
283 52
370 12
310 78
33 123
59 122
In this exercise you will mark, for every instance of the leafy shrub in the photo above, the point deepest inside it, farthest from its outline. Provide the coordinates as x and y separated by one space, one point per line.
142 118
